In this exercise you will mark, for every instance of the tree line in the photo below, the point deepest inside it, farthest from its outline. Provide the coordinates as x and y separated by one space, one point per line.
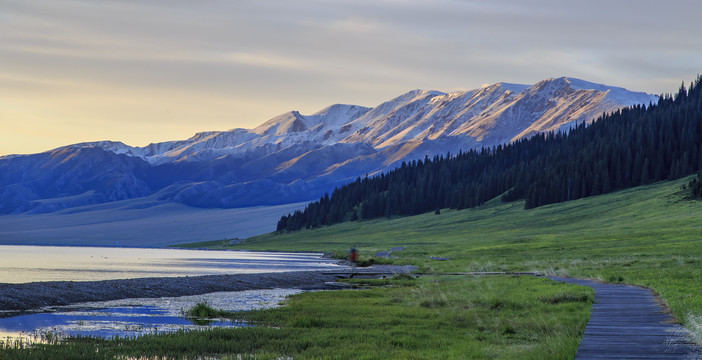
632 146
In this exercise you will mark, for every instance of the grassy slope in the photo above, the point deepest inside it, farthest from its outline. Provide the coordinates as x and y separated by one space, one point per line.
648 235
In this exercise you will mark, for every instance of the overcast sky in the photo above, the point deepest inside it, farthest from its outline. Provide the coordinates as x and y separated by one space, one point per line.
147 71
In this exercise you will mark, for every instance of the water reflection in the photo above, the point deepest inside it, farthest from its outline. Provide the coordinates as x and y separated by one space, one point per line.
134 317
20 264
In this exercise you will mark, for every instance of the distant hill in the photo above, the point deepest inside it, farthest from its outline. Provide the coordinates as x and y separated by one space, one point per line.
295 157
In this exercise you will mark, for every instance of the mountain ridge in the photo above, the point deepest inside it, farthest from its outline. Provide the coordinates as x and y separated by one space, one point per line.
294 157
489 99
631 147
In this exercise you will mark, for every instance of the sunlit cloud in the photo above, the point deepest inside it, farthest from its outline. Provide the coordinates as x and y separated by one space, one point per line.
267 60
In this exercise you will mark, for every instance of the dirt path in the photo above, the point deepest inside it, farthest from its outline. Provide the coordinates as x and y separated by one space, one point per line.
626 322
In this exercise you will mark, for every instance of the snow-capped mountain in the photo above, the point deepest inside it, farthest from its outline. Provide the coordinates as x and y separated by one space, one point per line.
295 157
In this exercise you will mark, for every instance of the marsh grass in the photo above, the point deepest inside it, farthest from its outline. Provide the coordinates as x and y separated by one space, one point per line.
203 310
203 314
446 317
436 317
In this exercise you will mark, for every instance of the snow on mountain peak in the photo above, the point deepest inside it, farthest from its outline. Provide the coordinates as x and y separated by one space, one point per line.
291 121
433 93
613 94
202 135
412 96
550 87
116 147
339 114
616 94
579 84
291 156
514 88
492 114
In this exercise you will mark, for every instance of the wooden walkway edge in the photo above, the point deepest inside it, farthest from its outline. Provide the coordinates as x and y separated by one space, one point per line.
626 322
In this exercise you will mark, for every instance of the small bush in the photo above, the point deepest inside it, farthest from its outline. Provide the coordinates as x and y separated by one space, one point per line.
433 303
495 304
615 278
365 262
694 187
565 298
202 310
508 330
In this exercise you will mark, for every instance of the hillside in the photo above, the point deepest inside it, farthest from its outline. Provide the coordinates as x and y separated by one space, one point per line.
627 148
648 235
628 220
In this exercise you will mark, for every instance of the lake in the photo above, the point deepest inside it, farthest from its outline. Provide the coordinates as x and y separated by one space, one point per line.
22 264
133 317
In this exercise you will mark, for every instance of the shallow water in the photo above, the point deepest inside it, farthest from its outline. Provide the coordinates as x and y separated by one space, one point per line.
134 317
22 264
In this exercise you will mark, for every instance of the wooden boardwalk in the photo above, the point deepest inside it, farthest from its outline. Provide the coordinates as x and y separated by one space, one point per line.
626 322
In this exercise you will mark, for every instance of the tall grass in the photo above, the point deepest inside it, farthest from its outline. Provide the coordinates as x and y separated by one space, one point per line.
432 317
649 235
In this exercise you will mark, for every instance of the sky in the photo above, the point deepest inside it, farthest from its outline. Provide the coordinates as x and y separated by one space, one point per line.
143 71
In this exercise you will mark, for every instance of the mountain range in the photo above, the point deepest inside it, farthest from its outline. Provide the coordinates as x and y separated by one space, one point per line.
295 157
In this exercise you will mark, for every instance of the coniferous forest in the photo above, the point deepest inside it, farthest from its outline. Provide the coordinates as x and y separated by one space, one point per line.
630 147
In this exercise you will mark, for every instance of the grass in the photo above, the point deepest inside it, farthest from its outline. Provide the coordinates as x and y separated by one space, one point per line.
440 317
202 310
649 236
203 314
445 317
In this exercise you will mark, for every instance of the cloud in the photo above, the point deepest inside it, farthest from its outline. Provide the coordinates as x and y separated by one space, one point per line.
267 61
258 59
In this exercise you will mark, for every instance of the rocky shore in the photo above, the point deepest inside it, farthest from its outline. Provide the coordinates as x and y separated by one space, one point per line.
23 297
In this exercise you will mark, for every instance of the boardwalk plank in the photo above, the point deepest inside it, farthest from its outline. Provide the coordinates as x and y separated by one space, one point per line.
626 322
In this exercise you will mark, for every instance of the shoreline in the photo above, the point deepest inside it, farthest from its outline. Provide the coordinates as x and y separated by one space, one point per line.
18 298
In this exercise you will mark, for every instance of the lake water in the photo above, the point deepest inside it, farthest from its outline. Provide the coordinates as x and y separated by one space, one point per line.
21 264
133 317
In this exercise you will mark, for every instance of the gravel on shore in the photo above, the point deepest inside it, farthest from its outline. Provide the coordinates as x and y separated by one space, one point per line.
29 296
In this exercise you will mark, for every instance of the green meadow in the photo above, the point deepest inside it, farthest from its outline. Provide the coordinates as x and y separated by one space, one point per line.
438 317
650 236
